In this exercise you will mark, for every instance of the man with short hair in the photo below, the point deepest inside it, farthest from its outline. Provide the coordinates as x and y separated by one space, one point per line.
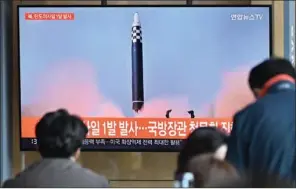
59 135
263 134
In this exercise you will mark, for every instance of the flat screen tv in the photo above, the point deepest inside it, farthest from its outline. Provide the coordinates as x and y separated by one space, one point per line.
141 77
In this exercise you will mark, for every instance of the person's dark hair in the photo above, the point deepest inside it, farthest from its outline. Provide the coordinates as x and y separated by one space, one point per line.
207 170
251 181
201 140
268 69
230 182
254 179
60 134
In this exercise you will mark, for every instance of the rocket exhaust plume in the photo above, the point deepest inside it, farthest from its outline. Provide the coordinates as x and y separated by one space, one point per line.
137 65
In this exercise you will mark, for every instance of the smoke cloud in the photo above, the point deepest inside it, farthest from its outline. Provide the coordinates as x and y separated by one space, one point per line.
73 85
234 93
157 107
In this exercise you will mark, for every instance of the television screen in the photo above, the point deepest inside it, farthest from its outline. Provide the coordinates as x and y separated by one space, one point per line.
141 78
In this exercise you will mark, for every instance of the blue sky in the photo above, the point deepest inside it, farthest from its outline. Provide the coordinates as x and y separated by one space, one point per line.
186 50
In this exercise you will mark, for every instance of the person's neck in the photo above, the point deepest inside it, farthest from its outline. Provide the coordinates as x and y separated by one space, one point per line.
275 81
71 158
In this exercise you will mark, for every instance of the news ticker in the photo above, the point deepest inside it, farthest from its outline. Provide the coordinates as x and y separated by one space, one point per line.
115 144
137 128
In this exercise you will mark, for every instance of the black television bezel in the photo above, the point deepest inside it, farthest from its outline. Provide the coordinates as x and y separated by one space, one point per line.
121 6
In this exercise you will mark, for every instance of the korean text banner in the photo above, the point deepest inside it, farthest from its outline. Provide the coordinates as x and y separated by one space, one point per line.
120 131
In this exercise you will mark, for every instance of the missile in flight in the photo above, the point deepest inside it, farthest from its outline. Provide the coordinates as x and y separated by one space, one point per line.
137 65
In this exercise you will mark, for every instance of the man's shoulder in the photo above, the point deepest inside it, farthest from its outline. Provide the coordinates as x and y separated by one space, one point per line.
248 111
259 108
83 176
10 183
246 119
74 173
91 173
71 173
95 177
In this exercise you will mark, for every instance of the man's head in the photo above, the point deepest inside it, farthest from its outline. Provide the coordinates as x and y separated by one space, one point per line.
266 70
60 135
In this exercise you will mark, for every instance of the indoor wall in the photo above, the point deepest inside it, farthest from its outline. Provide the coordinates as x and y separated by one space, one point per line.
125 169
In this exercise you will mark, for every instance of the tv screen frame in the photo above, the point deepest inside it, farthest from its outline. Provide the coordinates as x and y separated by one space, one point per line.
162 149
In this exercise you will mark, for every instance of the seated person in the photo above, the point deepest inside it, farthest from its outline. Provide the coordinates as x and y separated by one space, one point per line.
59 135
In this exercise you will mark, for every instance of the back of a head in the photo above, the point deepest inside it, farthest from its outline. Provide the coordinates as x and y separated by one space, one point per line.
60 134
207 170
200 141
223 175
268 69
230 182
